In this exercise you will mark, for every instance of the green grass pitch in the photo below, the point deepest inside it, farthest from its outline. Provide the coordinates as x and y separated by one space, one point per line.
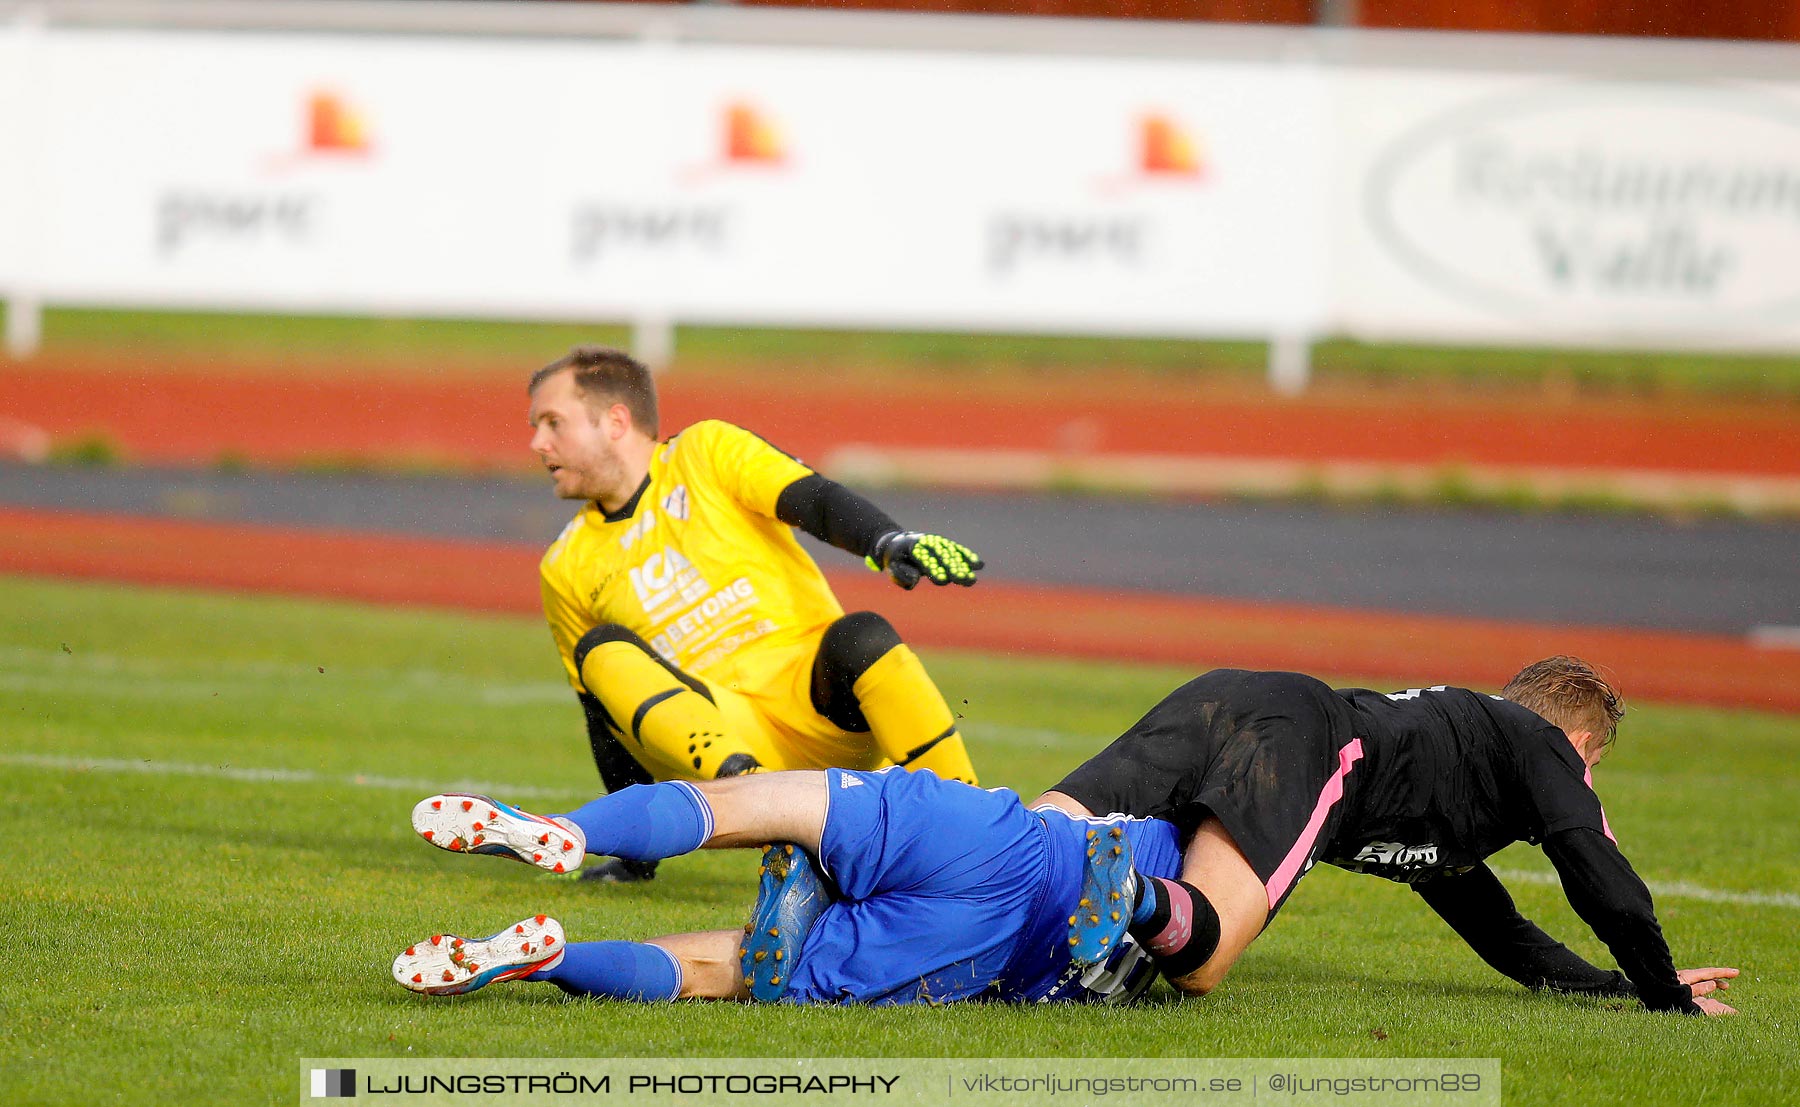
450 346
209 867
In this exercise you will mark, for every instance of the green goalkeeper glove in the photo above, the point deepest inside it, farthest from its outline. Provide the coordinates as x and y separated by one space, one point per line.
908 555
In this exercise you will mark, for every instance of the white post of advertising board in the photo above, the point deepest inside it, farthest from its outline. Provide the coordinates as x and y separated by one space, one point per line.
21 123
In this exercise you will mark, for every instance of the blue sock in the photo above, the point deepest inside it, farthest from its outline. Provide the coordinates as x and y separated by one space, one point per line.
646 822
1147 905
616 970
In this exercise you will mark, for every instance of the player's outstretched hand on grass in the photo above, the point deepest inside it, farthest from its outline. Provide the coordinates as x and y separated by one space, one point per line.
1703 982
909 556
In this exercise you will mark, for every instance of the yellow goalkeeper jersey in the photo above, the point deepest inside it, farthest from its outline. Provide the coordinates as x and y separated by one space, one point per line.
699 566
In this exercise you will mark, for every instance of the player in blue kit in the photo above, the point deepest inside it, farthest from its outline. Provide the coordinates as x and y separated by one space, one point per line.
929 891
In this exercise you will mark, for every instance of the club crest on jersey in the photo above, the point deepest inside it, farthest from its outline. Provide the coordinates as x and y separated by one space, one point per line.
676 503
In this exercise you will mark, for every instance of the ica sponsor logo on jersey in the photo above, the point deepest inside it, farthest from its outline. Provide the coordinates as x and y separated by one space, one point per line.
664 577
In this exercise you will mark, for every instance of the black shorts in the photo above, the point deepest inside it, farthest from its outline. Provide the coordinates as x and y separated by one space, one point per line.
1268 754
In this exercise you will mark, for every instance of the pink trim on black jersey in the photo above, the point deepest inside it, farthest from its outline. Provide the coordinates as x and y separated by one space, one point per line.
1587 777
1291 866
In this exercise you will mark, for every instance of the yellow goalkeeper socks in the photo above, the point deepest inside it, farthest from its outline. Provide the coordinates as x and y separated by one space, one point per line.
911 723
672 730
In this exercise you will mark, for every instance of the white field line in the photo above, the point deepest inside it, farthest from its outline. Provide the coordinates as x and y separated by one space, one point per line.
1678 889
1672 889
1037 735
199 688
251 775
109 676
143 678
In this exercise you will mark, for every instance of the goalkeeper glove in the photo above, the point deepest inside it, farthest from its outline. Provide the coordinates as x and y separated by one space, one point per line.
908 555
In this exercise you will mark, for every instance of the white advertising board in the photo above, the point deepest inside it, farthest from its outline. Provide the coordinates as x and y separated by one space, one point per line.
708 183
917 188
15 158
1529 209
297 171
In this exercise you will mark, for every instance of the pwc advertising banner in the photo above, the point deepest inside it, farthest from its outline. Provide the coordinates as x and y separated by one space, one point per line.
894 188
597 179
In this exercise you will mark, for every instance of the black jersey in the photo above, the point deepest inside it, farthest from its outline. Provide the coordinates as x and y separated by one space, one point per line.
1448 777
1417 786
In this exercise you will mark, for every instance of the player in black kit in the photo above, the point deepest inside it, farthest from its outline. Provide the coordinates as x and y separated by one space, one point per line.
1272 772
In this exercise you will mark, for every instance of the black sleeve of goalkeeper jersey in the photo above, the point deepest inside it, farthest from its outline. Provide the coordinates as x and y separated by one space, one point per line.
1481 911
618 769
1610 897
832 513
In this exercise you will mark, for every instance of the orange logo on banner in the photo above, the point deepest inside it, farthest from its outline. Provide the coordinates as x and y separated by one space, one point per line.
750 136
334 127
1166 149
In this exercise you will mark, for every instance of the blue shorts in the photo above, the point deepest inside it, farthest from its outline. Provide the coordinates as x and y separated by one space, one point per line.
939 882
1050 976
952 892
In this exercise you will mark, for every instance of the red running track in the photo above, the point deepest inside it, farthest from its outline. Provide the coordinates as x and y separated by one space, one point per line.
1198 633
177 415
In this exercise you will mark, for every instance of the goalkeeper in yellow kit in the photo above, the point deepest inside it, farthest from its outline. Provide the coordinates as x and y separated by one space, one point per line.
700 638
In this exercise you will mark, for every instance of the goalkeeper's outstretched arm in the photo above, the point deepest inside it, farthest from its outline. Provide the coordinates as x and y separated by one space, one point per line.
834 514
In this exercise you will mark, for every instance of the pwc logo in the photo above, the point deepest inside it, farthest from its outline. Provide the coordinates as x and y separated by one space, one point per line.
333 130
1109 235
284 210
335 127
1167 149
1164 152
752 137
749 140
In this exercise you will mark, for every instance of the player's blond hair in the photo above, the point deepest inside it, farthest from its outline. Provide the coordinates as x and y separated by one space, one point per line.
1572 694
609 375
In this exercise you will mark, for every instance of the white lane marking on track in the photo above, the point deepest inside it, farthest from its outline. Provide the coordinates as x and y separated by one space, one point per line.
1672 889
1678 889
1775 638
